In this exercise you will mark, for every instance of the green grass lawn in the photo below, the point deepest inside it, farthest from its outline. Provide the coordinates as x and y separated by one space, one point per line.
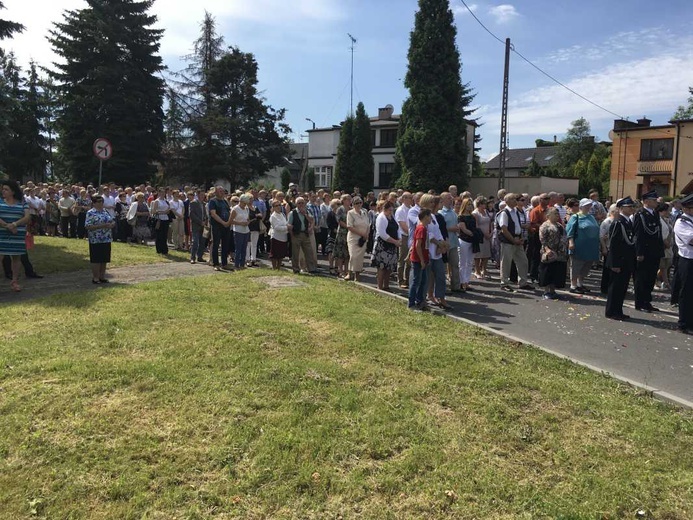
59 255
216 397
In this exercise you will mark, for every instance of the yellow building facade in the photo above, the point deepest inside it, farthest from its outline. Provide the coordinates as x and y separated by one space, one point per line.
646 157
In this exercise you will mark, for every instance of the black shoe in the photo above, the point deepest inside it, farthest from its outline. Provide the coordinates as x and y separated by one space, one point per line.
684 330
650 308
642 309
585 290
34 275
103 280
622 317
577 290
526 287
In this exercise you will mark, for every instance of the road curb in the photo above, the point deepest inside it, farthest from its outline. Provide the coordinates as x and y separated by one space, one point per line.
658 394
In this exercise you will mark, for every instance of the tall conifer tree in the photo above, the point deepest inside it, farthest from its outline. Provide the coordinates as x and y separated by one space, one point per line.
362 161
431 145
109 87
7 27
344 163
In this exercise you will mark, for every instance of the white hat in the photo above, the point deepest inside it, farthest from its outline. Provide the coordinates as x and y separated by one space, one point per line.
585 202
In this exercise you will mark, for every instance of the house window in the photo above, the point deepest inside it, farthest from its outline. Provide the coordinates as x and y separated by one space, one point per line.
385 177
372 137
656 149
388 138
323 176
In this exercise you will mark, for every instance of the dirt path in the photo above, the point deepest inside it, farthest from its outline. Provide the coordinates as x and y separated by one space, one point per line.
81 280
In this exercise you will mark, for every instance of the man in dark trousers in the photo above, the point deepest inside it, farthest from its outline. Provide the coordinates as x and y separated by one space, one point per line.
649 249
683 232
620 259
28 268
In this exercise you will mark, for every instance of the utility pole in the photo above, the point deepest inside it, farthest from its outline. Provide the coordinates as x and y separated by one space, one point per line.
504 119
353 42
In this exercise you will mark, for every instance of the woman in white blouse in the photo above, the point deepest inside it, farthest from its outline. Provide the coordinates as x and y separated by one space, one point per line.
279 235
385 253
357 237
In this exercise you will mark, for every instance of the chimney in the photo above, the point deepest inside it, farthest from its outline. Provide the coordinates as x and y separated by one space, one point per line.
386 112
644 121
555 140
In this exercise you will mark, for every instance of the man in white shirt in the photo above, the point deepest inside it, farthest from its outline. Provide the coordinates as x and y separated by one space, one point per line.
512 245
683 285
109 201
401 216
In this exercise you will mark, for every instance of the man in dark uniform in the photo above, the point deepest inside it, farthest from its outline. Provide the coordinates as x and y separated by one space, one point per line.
683 233
649 249
620 259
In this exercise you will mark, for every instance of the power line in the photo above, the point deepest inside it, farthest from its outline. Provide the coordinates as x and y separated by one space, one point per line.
512 48
481 23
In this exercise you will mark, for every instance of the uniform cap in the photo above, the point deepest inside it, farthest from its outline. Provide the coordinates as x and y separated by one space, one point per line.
625 201
650 195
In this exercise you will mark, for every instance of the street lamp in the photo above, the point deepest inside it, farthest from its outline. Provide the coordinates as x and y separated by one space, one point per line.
309 119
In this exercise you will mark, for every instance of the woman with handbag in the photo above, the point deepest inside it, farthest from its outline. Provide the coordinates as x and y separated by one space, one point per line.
386 254
467 237
141 231
554 257
583 245
358 226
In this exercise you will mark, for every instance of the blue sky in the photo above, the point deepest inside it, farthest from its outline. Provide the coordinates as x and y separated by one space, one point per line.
634 58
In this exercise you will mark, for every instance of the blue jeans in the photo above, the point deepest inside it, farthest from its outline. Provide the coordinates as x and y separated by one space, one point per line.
417 285
240 242
438 274
196 250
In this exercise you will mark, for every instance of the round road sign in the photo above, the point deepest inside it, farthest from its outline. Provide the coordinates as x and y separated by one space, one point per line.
103 149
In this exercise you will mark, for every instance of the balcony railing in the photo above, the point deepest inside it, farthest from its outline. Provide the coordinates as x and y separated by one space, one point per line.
655 166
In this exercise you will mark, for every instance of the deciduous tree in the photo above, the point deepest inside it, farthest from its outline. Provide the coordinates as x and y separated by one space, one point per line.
685 112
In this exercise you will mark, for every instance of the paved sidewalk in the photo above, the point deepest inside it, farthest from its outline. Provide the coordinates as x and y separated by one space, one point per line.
646 351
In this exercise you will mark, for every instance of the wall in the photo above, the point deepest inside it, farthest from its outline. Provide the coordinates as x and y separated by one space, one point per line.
533 185
684 176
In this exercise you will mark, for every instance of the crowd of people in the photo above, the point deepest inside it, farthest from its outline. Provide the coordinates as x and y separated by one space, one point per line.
432 244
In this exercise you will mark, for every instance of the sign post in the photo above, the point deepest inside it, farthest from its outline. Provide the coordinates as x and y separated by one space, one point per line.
103 151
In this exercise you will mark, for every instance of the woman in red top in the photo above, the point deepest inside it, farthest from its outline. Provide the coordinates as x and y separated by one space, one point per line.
419 260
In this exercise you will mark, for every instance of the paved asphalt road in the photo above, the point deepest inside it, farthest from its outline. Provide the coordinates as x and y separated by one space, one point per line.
646 350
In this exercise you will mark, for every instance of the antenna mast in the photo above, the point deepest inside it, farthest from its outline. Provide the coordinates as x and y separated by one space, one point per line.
353 42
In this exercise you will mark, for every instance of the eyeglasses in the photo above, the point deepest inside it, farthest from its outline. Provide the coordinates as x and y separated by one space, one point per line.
358 203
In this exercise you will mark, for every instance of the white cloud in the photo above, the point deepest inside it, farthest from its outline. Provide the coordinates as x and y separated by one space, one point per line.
504 13
648 86
180 18
461 10
624 44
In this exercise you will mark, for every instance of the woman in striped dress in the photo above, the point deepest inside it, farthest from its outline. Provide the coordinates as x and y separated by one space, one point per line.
14 215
